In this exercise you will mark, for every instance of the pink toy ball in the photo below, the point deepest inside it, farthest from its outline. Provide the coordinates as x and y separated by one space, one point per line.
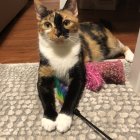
98 73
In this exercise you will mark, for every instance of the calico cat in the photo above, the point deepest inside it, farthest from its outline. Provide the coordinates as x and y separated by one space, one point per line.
65 45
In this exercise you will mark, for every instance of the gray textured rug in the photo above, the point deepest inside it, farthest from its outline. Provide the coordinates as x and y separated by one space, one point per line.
115 109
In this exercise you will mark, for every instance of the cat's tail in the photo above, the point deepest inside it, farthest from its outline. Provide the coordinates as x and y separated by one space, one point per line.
105 23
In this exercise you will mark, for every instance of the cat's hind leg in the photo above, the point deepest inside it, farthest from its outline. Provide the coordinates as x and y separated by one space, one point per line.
126 51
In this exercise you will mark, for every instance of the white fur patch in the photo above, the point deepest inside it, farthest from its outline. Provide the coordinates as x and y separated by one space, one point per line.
129 56
61 57
63 122
48 124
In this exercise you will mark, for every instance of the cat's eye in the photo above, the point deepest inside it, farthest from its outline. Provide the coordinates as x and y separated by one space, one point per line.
47 25
66 22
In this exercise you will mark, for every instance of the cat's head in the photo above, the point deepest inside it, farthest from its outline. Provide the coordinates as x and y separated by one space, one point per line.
58 26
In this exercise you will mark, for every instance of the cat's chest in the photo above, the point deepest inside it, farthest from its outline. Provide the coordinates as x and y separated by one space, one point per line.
61 59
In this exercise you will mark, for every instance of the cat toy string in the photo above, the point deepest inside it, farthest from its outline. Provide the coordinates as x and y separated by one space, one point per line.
77 113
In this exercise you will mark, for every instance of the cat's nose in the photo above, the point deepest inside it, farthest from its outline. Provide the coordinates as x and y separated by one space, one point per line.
58 34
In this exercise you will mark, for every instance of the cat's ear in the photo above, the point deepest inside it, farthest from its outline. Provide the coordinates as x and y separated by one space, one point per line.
41 11
71 5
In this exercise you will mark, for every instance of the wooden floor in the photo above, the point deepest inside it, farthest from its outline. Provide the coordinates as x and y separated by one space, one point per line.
19 41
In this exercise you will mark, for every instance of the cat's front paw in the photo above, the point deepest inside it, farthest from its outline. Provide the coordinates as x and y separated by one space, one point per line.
48 124
63 122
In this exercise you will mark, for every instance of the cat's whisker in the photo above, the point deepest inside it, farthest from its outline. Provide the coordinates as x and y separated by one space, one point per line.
70 39
48 39
74 41
73 33
74 37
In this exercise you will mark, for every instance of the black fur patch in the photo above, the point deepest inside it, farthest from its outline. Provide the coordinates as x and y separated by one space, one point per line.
105 23
45 13
101 39
43 60
58 21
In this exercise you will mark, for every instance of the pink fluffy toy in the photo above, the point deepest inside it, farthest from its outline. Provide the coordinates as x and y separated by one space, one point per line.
98 73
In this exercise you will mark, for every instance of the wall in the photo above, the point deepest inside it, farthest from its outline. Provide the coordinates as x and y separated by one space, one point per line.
135 71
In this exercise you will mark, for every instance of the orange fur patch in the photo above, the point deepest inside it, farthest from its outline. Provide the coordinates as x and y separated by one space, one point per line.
46 71
94 48
112 42
67 15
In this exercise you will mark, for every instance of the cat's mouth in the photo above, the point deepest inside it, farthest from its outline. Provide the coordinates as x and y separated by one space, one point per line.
59 40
